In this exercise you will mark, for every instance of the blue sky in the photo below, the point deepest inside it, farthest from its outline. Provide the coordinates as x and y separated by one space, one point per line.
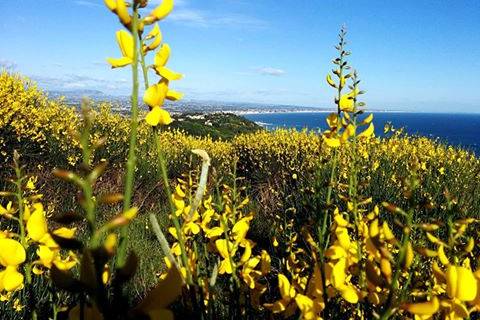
412 55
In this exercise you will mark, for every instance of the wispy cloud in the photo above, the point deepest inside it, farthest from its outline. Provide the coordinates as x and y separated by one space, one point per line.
270 71
201 18
79 81
8 65
86 3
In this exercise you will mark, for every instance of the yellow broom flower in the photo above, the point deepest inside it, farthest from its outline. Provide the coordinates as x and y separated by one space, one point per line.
160 12
125 43
287 292
160 60
158 116
12 254
368 132
122 12
223 246
111 4
37 224
461 283
154 97
156 35
423 308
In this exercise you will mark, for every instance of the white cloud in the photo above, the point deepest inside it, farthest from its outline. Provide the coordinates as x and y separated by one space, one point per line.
86 3
269 71
78 81
8 65
201 18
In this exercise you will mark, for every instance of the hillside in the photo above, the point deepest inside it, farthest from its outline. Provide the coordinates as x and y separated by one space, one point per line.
216 125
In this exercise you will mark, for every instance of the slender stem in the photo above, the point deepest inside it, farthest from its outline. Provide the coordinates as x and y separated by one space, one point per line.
354 187
144 66
132 159
323 230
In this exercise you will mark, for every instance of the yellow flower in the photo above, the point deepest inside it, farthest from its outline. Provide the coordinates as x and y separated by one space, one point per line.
368 119
67 263
125 42
330 81
287 292
332 142
110 243
111 4
156 35
332 120
158 116
310 308
46 256
159 62
31 183
346 101
240 229
131 213
248 272
155 95
12 254
122 12
311 305
37 224
166 292
8 210
428 308
17 305
162 56
160 12
461 283
64 232
227 251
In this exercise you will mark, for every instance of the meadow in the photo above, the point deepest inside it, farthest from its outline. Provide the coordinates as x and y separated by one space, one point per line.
110 216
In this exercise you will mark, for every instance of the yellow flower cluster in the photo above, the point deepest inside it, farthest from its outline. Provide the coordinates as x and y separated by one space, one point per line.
215 235
155 95
28 119
349 256
28 230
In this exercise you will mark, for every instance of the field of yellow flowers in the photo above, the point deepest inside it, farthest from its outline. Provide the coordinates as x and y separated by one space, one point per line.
106 216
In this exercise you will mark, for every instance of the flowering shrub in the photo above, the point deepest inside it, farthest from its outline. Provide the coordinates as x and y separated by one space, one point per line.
369 227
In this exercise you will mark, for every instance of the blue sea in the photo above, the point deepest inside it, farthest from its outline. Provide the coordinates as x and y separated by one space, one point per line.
455 129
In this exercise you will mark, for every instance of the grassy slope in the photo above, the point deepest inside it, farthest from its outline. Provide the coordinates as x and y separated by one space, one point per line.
267 160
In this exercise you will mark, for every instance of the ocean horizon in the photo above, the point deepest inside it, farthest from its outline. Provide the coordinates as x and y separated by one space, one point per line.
456 129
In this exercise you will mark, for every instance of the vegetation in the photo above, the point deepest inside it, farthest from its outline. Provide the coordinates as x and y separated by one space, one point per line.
223 126
142 220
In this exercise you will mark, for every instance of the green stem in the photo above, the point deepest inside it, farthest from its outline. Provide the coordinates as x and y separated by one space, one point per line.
354 193
132 159
323 231
144 66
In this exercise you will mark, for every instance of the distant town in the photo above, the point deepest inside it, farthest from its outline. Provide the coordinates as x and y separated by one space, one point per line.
121 104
